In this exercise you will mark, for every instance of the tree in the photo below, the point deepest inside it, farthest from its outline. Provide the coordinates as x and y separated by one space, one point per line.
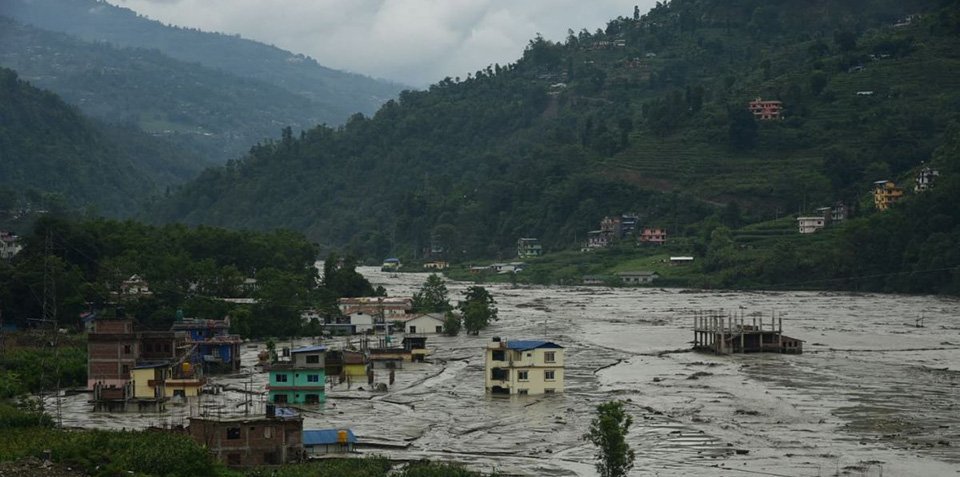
432 297
451 324
477 308
742 129
608 431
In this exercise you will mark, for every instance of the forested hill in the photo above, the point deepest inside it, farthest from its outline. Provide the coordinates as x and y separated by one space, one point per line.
51 157
648 114
212 113
335 94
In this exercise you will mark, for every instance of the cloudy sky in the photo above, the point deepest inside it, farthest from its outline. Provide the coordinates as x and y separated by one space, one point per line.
416 42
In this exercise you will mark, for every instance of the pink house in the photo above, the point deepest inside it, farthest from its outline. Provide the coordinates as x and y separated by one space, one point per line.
655 236
765 110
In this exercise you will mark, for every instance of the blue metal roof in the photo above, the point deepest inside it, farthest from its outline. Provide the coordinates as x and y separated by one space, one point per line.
325 437
309 349
285 412
523 345
391 260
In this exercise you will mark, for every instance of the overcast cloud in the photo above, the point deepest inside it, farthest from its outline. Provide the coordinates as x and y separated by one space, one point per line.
416 42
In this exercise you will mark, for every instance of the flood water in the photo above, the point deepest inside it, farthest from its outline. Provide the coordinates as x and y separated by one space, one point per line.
872 394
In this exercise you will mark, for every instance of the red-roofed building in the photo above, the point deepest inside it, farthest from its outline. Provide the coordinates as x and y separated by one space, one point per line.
766 110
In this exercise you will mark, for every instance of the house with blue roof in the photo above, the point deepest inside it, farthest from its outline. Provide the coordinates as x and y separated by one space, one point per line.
301 380
317 442
523 367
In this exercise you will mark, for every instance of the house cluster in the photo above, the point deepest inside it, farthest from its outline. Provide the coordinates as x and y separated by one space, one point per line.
9 245
766 110
147 368
617 228
824 217
887 193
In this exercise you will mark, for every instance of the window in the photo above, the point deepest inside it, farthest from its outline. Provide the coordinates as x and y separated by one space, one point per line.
166 348
311 399
439 329
281 378
522 392
413 329
498 355
523 375
549 357
126 349
549 375
313 359
268 432
499 374
549 391
233 433
280 398
313 378
125 370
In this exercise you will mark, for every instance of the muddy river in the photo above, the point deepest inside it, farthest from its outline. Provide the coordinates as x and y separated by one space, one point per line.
873 394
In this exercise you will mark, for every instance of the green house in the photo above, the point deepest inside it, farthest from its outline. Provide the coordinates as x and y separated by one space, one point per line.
301 380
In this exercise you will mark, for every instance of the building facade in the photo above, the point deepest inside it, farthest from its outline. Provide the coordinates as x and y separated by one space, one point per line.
809 225
655 236
638 277
765 110
885 194
523 367
529 247
274 439
925 179
301 380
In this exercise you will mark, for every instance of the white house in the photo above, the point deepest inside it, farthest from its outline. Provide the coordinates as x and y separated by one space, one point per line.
361 322
809 225
424 324
638 277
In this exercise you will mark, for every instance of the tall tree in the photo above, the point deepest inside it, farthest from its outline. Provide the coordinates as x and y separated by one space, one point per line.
432 297
477 308
608 431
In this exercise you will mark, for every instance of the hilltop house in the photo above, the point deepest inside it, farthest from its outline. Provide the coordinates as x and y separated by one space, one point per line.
885 194
523 367
925 179
9 245
809 225
300 380
655 236
765 110
529 247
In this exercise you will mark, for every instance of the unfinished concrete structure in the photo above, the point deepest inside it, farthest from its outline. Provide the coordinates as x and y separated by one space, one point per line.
726 334
273 439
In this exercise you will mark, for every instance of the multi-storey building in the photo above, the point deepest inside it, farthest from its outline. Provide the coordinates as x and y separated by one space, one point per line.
523 367
656 236
300 380
809 225
925 179
885 194
765 110
529 247
238 442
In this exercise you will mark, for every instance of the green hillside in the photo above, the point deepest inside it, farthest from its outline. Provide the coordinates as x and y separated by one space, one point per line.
52 157
334 94
647 115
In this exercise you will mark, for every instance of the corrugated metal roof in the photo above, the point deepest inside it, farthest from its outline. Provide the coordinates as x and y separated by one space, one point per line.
315 437
309 349
285 412
523 345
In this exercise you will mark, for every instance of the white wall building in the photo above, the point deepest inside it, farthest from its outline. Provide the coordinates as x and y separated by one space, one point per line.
424 324
809 225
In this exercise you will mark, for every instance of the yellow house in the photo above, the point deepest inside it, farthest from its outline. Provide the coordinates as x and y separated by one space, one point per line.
523 367
354 364
160 381
885 193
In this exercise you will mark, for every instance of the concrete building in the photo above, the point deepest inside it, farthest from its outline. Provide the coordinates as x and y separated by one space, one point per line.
390 265
216 349
809 225
9 245
655 236
300 380
925 179
523 367
389 307
529 247
638 277
273 439
765 110
424 324
885 194
112 351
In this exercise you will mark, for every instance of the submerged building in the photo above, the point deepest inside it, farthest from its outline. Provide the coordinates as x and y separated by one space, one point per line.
301 380
523 367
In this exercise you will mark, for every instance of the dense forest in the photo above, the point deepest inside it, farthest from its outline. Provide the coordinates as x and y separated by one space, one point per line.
53 158
188 269
646 115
